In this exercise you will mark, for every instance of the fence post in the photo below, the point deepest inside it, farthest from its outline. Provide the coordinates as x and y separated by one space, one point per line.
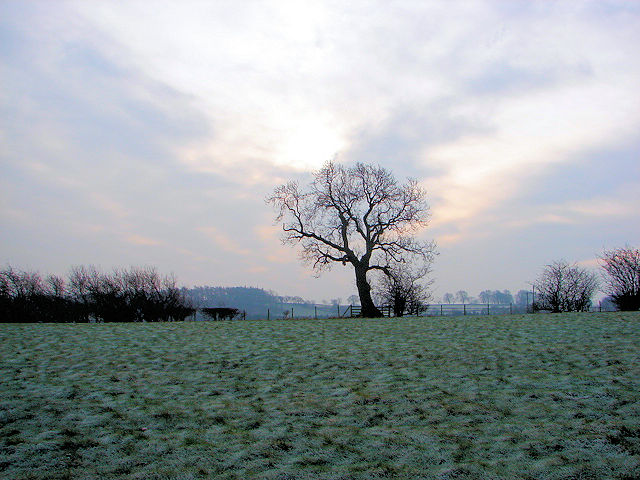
268 314
441 310
338 310
315 312
511 309
291 313
464 308
487 309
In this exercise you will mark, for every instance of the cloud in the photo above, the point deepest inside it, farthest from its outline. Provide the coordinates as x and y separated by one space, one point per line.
506 117
224 241
528 135
123 123
623 204
143 241
590 263
448 239
108 206
257 269
293 91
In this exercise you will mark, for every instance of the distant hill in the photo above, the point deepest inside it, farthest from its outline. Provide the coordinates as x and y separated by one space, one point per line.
236 297
257 302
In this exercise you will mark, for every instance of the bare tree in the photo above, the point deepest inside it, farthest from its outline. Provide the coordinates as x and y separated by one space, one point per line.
496 296
21 296
522 297
504 297
622 268
448 297
54 285
19 284
404 291
462 296
487 296
358 215
563 287
80 278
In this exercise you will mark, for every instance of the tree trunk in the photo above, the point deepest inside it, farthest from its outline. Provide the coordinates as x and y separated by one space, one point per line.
399 304
369 310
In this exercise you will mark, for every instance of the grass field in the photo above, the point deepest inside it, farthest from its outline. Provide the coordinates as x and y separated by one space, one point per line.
537 396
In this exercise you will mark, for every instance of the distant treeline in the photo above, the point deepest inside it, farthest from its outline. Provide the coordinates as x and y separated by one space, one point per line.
496 297
239 297
254 302
258 303
138 294
246 298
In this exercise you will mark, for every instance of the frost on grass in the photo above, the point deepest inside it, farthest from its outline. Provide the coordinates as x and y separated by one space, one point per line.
554 396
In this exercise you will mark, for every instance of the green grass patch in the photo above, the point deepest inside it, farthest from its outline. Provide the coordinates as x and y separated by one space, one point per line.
530 397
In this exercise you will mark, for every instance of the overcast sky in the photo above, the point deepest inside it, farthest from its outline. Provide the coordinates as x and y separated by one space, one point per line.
149 133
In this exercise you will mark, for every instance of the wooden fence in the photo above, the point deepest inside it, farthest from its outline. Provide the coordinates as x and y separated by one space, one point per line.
473 309
356 310
447 309
317 311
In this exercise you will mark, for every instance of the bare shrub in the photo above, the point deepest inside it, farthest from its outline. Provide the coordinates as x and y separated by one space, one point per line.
622 268
564 287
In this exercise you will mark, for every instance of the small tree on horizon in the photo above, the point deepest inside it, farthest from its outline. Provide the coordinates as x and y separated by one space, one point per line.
448 297
564 287
622 269
462 296
522 297
403 289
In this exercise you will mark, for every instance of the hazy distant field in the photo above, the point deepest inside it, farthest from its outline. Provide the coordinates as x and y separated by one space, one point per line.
548 396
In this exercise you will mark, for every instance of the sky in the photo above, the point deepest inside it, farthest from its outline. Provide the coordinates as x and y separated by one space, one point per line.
150 133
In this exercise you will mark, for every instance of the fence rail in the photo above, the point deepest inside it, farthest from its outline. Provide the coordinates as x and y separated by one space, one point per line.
317 311
448 309
452 309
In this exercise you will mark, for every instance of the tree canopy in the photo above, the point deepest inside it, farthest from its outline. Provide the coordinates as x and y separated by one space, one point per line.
359 215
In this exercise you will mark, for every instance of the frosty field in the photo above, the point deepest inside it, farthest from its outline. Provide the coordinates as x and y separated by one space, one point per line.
530 397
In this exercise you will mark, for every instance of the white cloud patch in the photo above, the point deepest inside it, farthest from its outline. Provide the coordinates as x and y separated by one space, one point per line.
223 241
623 204
143 241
